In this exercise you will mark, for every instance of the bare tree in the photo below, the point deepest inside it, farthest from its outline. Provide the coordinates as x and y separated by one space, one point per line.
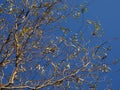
40 50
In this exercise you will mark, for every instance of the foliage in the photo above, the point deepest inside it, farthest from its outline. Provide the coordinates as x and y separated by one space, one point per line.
39 49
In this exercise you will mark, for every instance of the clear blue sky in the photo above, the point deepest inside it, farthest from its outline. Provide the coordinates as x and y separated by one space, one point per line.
108 13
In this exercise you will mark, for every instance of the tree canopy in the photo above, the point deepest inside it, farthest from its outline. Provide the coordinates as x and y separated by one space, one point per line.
50 44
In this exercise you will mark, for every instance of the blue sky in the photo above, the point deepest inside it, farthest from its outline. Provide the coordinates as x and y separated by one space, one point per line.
108 13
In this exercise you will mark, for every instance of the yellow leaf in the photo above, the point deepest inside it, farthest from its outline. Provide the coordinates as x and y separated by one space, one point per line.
2 20
1 10
40 32
97 26
77 14
25 30
36 13
89 22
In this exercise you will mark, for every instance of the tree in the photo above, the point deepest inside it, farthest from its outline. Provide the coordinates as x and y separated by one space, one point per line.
40 50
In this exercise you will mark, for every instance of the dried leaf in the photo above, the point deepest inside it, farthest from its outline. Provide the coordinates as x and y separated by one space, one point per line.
25 30
84 9
65 30
77 14
1 10
105 68
2 20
